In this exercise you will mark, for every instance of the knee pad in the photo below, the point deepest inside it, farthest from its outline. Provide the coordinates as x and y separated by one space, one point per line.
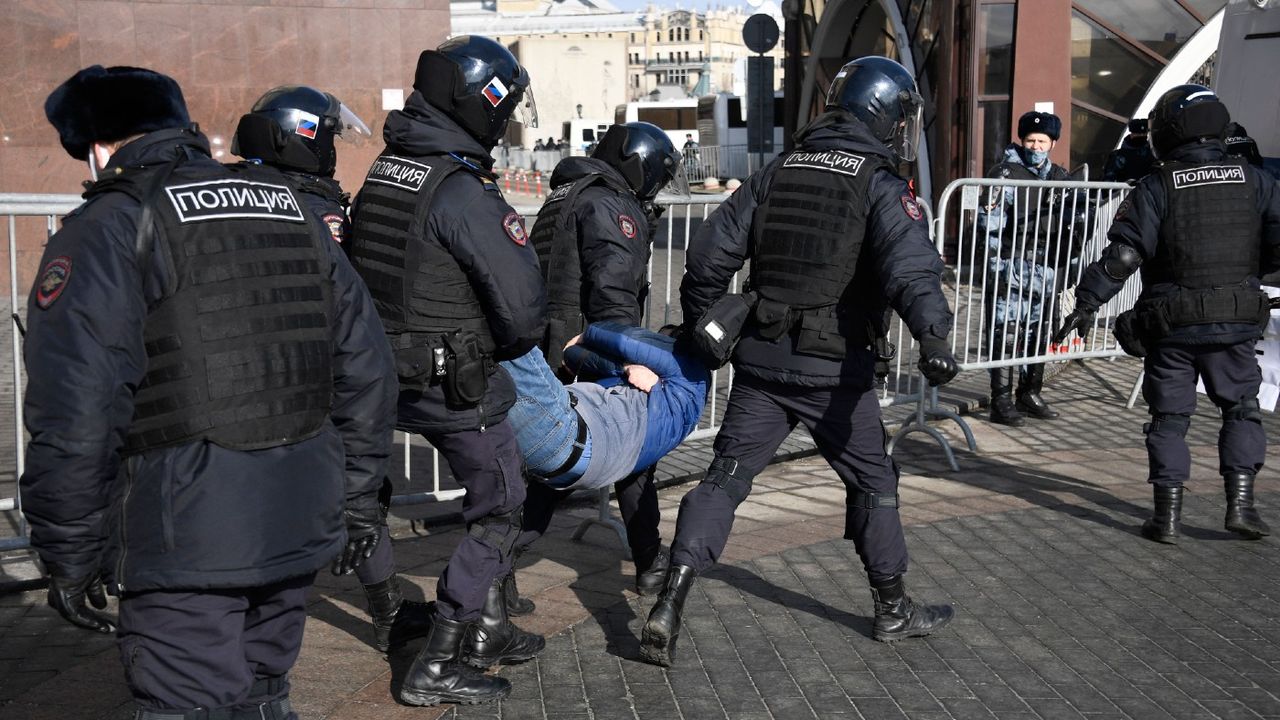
723 474
500 532
1164 422
1246 409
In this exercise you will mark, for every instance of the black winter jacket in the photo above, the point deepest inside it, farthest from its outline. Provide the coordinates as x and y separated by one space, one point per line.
192 516
466 217
898 267
1137 224
614 265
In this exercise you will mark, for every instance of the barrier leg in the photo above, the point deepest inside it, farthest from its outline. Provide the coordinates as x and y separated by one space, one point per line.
604 518
918 423
1137 388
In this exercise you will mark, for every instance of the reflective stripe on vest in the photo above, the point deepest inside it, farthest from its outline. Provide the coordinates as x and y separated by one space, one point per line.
1210 235
417 286
240 352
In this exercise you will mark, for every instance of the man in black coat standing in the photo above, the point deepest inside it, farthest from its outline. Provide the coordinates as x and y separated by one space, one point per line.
834 236
209 399
1203 227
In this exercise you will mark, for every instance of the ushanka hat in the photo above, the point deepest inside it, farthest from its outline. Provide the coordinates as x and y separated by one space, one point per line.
101 104
1039 122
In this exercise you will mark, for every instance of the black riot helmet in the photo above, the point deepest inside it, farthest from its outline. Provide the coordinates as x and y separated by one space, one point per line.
479 84
883 95
292 127
645 156
1185 114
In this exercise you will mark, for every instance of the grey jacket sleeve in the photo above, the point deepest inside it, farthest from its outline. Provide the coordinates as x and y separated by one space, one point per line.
906 262
84 357
365 386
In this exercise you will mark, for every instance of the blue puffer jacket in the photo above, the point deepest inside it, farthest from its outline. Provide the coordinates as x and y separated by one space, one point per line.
675 403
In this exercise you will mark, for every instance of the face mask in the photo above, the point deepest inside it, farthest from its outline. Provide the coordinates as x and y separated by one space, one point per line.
1035 158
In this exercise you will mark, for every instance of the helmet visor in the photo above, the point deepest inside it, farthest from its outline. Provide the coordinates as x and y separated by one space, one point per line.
677 188
906 142
350 124
526 110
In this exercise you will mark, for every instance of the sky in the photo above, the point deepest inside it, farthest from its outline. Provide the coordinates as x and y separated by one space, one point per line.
699 5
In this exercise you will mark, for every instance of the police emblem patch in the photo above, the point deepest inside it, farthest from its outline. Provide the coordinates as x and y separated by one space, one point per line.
514 225
335 224
494 91
308 123
1123 210
53 281
627 225
910 206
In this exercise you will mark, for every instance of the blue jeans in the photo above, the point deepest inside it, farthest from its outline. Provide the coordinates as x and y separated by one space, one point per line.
545 423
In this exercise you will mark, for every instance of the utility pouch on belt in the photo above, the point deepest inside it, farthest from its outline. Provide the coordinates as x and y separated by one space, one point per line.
773 318
415 366
1129 334
820 335
466 369
717 332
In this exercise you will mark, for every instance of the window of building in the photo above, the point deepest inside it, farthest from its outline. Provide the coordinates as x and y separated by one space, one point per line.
699 34
1106 72
671 34
633 37
994 54
1161 25
635 81
699 56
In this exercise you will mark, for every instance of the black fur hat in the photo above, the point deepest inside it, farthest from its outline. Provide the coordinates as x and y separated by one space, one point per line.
101 104
1039 122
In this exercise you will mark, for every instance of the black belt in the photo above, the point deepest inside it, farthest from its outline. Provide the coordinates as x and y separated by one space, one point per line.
578 444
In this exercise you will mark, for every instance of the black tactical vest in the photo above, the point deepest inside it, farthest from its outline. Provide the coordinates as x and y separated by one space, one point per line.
808 232
555 239
239 348
417 286
1210 234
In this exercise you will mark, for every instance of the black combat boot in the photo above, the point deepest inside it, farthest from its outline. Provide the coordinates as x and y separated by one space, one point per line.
396 620
437 676
1165 522
1003 409
899 618
1029 400
516 606
649 580
1242 517
658 640
495 640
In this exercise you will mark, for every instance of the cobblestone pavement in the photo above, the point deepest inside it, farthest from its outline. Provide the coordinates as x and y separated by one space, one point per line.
1064 611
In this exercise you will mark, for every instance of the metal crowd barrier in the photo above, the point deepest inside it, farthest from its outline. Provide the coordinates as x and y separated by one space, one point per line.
1021 247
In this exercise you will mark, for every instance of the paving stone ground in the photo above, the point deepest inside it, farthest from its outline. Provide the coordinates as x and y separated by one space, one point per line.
1064 611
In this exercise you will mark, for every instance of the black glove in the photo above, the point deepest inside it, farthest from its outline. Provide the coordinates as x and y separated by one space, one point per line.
1080 320
67 595
936 361
365 519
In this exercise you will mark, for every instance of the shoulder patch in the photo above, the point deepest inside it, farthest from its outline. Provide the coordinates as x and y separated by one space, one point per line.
231 199
398 172
627 226
558 194
336 224
1123 210
53 280
513 224
837 161
911 207
1208 175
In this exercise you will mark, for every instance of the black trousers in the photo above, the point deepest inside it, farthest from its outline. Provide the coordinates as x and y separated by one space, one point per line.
489 466
1231 375
637 503
846 426
212 649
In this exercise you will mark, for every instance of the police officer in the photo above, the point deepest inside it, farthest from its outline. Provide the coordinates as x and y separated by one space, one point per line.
1022 285
293 128
201 351
1133 159
1201 228
457 285
833 235
594 236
